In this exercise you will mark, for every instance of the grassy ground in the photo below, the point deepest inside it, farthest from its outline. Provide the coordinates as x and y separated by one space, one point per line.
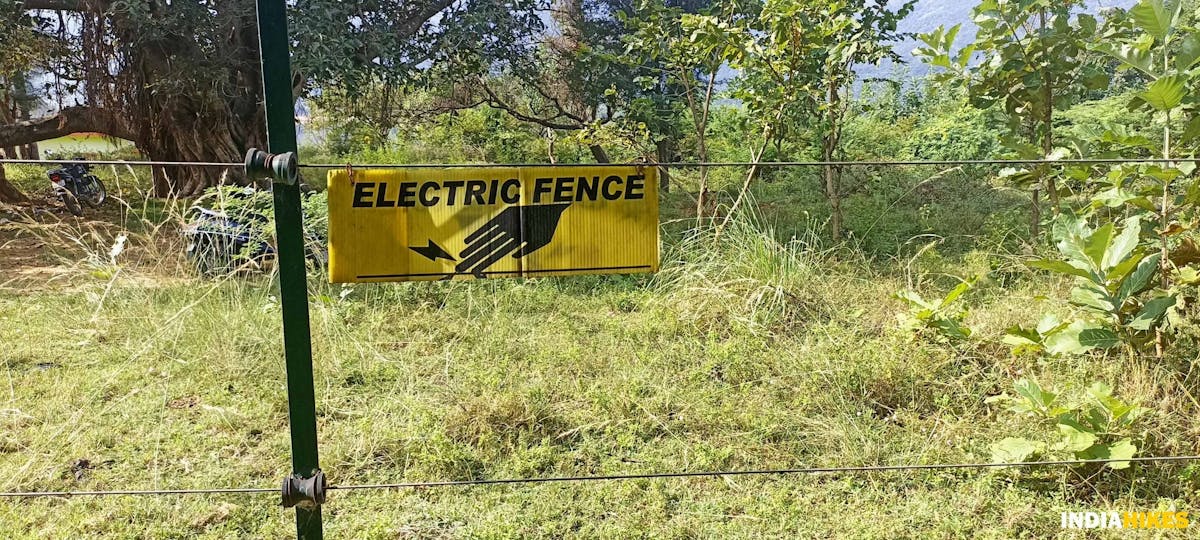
764 350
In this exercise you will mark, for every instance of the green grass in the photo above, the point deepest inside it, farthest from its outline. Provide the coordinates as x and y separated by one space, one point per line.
747 353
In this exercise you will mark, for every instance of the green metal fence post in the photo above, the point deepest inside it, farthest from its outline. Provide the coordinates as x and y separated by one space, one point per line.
289 231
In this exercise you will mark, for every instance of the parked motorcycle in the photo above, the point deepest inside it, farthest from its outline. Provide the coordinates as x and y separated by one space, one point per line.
219 242
75 183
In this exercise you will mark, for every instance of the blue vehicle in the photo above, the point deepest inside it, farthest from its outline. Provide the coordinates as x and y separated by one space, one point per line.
220 243
75 183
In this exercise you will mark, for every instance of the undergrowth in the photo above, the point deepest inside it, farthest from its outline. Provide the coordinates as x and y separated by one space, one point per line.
749 350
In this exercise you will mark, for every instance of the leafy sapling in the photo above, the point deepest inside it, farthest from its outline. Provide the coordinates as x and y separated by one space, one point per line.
1100 427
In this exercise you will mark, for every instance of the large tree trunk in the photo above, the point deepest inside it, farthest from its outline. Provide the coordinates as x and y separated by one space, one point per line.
8 192
149 100
201 126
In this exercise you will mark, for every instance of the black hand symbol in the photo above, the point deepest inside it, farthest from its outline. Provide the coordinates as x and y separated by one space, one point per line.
519 229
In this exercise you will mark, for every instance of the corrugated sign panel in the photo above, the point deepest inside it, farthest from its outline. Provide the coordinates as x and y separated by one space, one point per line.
432 224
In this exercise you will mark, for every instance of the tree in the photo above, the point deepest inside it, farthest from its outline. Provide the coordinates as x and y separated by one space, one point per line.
1033 62
23 48
796 61
688 73
566 79
181 79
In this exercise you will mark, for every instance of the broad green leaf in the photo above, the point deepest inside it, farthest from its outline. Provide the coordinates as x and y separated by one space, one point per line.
1134 56
1097 244
1050 324
1117 409
1065 341
1087 23
913 298
1151 312
1080 337
952 329
1123 244
1139 279
1017 340
1188 276
1122 449
1033 392
1016 335
1072 235
1102 393
1191 131
1061 267
1075 440
1165 93
1122 269
1188 53
1093 297
955 293
1098 338
1014 450
1157 17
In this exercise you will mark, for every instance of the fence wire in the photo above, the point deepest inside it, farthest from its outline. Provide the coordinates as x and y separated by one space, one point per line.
617 477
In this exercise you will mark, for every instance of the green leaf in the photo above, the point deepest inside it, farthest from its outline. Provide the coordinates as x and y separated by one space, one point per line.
1062 267
1072 235
1016 335
1165 93
1050 324
1093 297
955 293
1123 244
1079 337
1151 312
1075 440
1098 338
1191 131
1122 269
1133 56
1139 279
1157 17
1188 276
1122 449
1039 400
913 298
1097 244
952 329
1065 341
1188 53
1014 450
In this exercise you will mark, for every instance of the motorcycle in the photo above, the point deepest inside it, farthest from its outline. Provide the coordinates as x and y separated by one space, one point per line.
221 243
74 183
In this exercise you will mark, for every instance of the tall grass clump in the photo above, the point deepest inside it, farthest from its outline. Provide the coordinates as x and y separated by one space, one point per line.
745 276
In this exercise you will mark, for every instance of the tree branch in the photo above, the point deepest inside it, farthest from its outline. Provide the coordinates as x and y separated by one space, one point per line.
414 23
67 121
495 101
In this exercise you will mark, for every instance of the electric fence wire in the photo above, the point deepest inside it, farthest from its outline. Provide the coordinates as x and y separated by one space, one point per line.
616 477
678 164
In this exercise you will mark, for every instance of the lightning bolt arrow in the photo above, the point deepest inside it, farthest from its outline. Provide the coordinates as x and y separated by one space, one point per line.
432 252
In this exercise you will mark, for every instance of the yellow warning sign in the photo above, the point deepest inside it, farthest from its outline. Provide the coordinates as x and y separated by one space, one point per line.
474 223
